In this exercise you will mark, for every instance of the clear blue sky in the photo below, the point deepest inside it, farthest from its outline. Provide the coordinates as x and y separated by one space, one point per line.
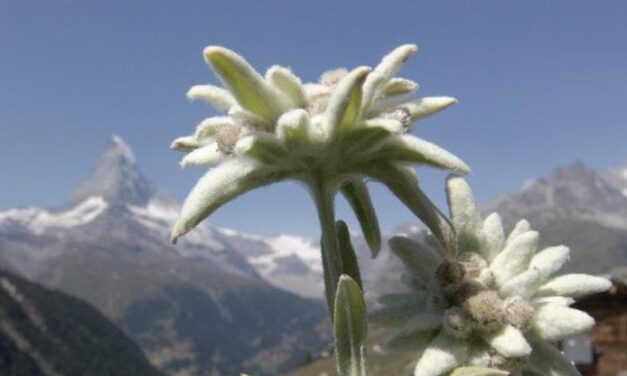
540 84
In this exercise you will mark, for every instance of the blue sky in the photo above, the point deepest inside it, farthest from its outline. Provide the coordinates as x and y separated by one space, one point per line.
541 84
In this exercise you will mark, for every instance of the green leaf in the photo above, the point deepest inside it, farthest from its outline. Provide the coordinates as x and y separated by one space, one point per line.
347 264
350 328
250 90
403 183
356 193
345 102
284 80
477 371
347 253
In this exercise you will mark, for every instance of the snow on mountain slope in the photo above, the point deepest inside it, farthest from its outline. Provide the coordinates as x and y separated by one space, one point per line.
289 262
41 221
617 176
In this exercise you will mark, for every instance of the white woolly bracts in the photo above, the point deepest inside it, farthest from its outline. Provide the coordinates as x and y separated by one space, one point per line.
330 135
498 303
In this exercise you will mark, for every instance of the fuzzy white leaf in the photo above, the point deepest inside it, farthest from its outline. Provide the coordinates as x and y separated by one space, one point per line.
523 285
550 260
250 90
391 125
559 300
218 186
403 183
553 322
205 155
464 213
209 127
420 259
292 127
345 102
387 68
408 148
398 86
515 258
248 120
218 97
574 285
423 107
521 227
289 84
508 341
186 143
494 236
443 354
264 147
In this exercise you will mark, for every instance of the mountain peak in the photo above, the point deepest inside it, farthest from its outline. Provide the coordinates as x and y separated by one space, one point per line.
115 177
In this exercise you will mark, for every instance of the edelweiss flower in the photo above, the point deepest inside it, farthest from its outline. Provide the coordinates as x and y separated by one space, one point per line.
329 135
496 305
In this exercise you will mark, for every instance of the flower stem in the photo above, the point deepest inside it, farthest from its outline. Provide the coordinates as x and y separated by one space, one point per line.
331 259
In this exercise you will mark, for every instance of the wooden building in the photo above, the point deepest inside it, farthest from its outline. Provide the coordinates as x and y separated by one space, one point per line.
604 351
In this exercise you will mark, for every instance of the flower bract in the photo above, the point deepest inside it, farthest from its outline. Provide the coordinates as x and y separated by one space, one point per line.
330 135
497 304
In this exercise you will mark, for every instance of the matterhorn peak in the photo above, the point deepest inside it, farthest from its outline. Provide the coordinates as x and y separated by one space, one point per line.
115 177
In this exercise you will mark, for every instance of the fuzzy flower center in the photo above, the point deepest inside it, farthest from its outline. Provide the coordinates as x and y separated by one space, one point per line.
474 305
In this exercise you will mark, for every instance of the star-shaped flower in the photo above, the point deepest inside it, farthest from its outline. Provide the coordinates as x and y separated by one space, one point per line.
329 135
498 304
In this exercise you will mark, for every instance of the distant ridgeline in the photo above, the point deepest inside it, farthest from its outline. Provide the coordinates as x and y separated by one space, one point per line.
44 332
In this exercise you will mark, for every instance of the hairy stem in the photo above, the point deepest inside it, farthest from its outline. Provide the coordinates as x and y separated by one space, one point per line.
331 260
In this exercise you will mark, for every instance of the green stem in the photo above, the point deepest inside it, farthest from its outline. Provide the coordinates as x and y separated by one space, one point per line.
331 260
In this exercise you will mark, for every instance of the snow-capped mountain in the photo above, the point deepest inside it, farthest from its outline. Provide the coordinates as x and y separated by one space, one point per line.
110 247
576 206
572 192
617 177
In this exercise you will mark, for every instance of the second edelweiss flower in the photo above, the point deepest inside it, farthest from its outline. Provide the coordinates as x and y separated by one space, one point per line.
496 305
329 135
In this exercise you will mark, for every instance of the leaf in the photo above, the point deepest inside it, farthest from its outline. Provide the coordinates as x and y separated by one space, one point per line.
356 193
347 253
218 186
250 90
284 80
408 148
553 322
348 262
420 259
403 183
219 98
423 107
387 68
345 102
477 371
350 328
464 214
574 285
204 155
398 86
515 257
508 341
264 147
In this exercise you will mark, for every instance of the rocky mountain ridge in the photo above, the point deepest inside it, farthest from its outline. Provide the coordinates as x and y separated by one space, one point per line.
110 247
